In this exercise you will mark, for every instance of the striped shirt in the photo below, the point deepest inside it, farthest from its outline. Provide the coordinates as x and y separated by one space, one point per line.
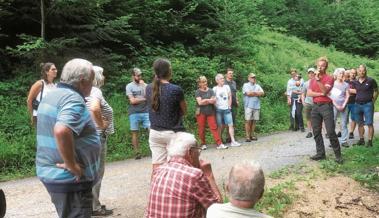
65 106
106 110
179 190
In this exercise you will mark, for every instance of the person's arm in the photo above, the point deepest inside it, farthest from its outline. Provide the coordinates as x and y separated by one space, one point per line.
65 141
183 107
201 101
375 95
347 95
207 170
33 92
96 114
133 100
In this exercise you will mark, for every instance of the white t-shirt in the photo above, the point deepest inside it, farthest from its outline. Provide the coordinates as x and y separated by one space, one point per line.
46 89
229 211
222 96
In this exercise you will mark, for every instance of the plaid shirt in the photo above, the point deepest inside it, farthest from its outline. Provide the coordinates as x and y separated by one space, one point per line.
179 190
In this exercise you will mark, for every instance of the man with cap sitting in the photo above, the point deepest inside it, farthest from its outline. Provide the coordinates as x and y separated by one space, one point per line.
251 93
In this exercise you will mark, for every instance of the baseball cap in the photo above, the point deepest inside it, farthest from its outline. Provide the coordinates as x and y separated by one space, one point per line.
311 70
251 75
137 71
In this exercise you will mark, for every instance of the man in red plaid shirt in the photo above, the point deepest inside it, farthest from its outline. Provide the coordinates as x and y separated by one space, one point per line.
184 187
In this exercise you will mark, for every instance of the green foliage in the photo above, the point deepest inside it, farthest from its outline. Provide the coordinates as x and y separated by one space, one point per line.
360 163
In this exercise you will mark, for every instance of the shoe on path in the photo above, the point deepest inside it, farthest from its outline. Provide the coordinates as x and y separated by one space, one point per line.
235 144
318 157
204 147
247 140
253 138
309 135
361 142
351 135
222 146
102 212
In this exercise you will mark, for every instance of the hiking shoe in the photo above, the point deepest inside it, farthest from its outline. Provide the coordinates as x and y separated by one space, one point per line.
351 135
369 143
204 147
253 138
102 212
235 144
222 146
339 134
247 140
361 141
138 156
318 157
345 144
309 135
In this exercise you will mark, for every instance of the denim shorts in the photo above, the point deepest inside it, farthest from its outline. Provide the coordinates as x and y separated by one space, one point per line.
224 117
351 110
137 118
365 113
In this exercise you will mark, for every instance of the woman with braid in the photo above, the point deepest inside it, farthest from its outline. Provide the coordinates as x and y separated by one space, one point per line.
166 106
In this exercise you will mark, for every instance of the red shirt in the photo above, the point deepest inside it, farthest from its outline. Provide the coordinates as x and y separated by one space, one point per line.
328 82
179 190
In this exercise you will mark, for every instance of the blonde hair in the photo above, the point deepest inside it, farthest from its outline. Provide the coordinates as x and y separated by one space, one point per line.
325 59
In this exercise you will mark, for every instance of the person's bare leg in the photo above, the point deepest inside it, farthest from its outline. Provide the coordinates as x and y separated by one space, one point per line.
248 129
252 127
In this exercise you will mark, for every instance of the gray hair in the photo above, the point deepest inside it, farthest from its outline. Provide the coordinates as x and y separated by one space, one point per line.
98 80
338 71
75 70
218 76
246 181
180 143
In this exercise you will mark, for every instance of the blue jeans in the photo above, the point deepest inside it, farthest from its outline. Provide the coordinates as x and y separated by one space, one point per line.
351 111
344 119
365 113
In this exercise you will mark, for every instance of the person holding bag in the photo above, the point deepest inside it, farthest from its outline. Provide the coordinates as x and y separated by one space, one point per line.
40 88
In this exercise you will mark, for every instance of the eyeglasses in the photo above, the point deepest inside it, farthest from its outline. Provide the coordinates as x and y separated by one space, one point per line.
197 148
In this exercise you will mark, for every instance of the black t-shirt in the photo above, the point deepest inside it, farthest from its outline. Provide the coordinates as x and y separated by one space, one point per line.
169 115
365 90
208 109
351 96
233 88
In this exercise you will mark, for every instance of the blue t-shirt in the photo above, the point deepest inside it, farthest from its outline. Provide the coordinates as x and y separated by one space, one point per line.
66 106
169 115
252 102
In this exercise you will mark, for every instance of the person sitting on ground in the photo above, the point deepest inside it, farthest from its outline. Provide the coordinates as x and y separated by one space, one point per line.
340 97
245 187
184 187
251 99
205 112
223 109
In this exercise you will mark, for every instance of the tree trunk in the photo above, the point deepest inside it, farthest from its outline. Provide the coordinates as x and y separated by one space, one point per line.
43 34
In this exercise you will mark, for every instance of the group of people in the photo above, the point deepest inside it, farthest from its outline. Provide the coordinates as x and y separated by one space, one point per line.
73 121
326 98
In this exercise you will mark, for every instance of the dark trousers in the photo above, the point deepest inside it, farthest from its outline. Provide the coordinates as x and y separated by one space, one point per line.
297 122
73 204
324 113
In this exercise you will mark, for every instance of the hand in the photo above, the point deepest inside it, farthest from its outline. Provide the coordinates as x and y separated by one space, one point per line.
105 124
289 101
205 166
76 170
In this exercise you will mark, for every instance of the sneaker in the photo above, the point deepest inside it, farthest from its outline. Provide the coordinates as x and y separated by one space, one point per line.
222 146
369 143
351 135
345 144
235 144
318 157
339 134
309 135
102 212
204 147
361 141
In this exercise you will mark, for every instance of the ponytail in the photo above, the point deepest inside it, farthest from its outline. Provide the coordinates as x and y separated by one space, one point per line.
162 70
156 94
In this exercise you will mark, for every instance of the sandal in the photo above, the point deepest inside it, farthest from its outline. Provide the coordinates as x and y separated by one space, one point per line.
253 138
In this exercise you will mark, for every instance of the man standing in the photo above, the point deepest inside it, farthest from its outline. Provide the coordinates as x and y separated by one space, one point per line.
233 88
136 92
68 146
251 93
322 111
184 187
366 90
245 187
308 101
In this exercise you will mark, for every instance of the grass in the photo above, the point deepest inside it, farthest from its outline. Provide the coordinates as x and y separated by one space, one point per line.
360 163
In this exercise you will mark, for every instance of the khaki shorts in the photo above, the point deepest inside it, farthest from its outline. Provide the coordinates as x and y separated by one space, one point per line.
158 142
307 111
251 114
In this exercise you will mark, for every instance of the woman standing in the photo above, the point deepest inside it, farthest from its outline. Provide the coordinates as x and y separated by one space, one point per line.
102 115
205 112
166 107
40 88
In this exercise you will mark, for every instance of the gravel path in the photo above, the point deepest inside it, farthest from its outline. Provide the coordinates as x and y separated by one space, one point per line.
126 183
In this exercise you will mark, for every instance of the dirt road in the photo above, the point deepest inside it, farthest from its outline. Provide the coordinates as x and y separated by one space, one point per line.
126 183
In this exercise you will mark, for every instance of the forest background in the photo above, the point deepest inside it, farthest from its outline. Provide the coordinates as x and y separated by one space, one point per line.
200 37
